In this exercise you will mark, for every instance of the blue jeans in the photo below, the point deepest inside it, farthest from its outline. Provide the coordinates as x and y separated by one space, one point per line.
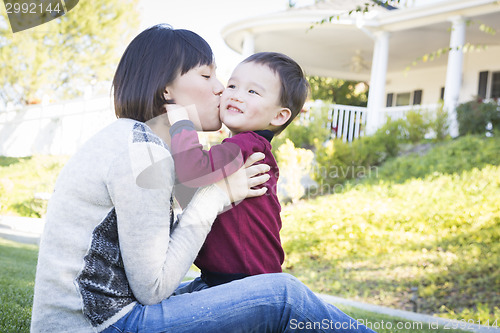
262 303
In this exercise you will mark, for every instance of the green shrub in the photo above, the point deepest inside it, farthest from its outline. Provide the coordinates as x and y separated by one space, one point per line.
474 116
418 124
369 151
439 125
330 161
305 129
337 161
462 154
392 134
21 178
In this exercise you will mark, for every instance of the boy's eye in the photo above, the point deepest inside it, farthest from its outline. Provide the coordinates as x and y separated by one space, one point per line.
251 91
231 86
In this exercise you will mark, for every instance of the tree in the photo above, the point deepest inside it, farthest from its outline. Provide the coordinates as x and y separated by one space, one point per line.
338 91
62 57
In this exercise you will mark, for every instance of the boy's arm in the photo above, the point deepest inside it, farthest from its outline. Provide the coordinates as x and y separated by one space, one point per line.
196 167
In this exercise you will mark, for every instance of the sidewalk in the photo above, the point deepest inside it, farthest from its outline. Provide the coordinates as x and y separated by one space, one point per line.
21 229
28 230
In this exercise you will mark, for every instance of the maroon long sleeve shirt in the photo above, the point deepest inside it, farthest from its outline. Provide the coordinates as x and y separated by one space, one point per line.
245 239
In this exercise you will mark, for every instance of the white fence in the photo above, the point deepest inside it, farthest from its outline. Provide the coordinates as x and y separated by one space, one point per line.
399 112
56 129
349 122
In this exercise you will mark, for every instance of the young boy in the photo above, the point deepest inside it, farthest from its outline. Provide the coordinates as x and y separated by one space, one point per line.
264 94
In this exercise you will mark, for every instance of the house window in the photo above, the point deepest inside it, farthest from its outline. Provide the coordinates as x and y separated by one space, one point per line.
403 99
483 84
390 97
489 85
417 97
495 85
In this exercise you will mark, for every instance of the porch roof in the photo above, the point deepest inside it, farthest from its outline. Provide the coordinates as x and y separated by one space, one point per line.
344 47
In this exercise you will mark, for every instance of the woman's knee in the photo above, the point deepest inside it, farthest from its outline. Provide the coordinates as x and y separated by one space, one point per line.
282 285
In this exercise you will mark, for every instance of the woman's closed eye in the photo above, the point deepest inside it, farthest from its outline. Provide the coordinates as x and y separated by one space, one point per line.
206 76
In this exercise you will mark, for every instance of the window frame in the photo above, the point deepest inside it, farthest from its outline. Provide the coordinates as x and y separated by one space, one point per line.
415 95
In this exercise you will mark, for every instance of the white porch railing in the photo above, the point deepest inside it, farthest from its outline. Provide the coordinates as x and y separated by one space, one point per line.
345 121
349 122
399 112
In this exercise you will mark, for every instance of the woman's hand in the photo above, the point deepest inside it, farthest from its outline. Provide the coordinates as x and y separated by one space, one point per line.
176 113
240 185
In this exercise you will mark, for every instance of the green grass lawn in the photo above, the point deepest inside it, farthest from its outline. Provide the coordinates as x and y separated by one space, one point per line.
429 222
17 279
22 177
17 274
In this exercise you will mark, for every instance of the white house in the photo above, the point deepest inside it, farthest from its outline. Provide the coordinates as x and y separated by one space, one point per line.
378 47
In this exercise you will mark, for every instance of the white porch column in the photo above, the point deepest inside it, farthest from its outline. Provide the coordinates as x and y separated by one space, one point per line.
376 94
248 45
454 72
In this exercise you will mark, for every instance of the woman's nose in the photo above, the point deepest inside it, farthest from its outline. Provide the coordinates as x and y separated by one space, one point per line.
218 88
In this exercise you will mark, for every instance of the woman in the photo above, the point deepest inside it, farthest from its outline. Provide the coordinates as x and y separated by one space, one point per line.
114 251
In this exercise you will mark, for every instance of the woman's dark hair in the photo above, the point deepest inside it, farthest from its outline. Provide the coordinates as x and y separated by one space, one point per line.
152 61
294 85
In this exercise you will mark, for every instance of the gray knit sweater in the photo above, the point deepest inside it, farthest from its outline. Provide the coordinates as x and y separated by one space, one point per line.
108 241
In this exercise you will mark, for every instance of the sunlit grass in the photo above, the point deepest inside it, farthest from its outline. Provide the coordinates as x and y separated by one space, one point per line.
440 234
18 262
17 279
21 178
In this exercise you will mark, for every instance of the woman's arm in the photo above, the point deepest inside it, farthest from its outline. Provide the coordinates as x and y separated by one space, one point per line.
140 184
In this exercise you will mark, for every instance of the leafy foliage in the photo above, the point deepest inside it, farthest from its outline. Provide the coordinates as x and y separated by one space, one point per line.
439 125
474 116
418 125
66 54
338 161
304 130
21 178
463 154
338 91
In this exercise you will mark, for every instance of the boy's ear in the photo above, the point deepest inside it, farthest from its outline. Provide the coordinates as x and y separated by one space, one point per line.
282 117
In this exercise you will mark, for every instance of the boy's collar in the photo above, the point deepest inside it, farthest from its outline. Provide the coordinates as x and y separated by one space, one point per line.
266 134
